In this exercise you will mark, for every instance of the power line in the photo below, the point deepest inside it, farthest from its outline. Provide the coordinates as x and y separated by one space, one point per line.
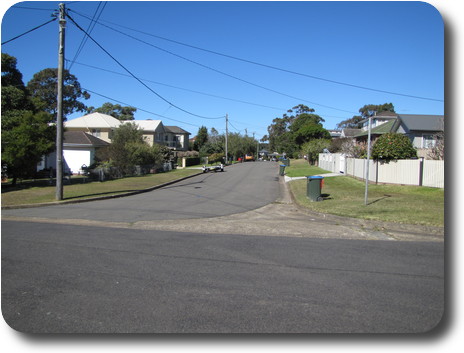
89 29
135 77
31 8
223 73
143 110
31 30
180 88
278 68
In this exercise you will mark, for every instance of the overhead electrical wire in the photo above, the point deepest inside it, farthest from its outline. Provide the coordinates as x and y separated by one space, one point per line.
143 110
224 73
180 88
275 67
31 8
90 28
135 77
31 30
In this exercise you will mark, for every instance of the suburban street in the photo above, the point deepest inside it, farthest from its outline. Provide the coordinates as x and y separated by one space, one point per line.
216 253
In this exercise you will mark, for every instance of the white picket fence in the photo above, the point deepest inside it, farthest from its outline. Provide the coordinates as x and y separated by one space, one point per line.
404 171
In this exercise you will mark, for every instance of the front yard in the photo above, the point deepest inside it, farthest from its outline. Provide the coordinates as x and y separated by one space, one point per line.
32 192
344 196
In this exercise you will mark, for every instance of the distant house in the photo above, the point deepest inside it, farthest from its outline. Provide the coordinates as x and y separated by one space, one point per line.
102 126
84 135
335 133
422 130
177 138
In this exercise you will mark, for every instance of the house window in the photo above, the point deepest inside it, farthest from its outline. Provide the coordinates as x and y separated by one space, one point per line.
96 132
428 141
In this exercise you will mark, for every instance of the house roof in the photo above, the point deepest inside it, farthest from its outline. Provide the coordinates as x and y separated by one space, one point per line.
175 130
145 125
350 132
82 138
94 120
379 130
422 122
102 121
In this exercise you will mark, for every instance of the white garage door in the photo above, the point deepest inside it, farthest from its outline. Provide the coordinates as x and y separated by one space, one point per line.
75 159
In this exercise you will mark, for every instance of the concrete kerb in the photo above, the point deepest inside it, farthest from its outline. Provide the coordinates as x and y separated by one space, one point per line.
130 193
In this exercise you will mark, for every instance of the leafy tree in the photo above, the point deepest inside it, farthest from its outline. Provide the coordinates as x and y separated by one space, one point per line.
201 139
26 138
393 146
379 108
128 149
115 110
288 133
26 133
216 158
42 88
353 123
11 76
312 149
214 144
280 139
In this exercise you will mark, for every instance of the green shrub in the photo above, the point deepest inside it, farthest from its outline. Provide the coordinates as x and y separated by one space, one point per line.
393 146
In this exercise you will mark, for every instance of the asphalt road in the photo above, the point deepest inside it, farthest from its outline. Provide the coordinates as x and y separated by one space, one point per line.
67 278
240 188
144 263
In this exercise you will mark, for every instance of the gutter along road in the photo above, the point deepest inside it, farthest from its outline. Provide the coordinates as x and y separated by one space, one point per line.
153 263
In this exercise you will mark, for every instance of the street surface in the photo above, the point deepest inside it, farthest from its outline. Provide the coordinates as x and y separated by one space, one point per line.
256 264
239 188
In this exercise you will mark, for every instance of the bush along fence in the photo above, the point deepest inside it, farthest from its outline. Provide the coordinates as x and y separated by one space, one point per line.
418 172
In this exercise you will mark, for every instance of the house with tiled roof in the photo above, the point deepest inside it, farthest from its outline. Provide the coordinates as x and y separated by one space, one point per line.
84 135
103 125
421 129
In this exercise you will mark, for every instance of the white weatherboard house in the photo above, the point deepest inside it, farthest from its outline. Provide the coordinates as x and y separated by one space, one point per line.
84 135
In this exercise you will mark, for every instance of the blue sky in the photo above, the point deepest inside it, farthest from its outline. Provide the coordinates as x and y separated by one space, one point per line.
395 47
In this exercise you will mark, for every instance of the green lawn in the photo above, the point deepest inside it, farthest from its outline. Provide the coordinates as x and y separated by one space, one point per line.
301 167
29 193
344 196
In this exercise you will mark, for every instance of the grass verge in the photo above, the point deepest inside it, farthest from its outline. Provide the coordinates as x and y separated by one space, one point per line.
301 167
344 196
30 193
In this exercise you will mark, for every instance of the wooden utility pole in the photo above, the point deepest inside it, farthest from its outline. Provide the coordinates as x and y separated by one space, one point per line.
59 115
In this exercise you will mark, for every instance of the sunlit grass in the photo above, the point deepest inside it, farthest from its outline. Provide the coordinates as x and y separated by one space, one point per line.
80 188
344 196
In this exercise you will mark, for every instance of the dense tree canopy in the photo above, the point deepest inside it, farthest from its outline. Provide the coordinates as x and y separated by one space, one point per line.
201 138
26 133
369 109
115 110
43 90
289 133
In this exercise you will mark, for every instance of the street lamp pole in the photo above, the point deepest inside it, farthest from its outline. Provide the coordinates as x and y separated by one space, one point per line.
368 159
